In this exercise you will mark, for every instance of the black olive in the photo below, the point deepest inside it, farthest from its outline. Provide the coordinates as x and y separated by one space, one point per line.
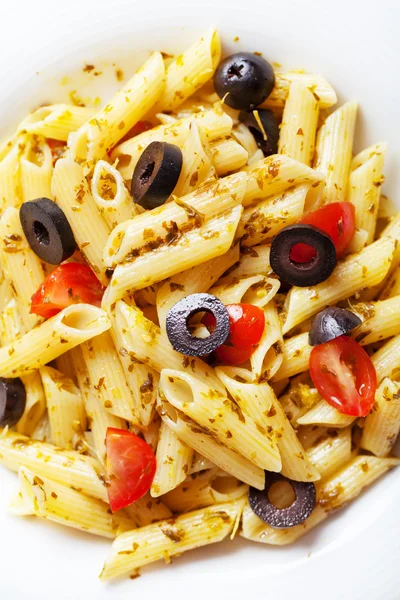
308 273
47 230
247 78
269 127
330 324
178 319
282 518
12 401
156 174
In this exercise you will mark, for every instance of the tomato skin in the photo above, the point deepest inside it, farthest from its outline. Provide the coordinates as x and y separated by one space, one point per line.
69 283
130 466
247 324
337 220
349 389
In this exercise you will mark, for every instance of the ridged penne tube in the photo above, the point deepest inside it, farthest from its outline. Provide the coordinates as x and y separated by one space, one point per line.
61 504
36 168
9 175
69 328
267 218
215 413
364 187
145 344
228 156
197 162
392 286
200 463
256 289
324 414
71 193
382 425
268 356
357 271
11 325
324 92
334 151
107 377
252 261
274 175
35 406
296 355
112 198
226 459
66 409
103 131
334 493
142 546
213 239
299 123
173 461
194 280
214 123
381 320
331 453
20 265
260 403
42 430
147 510
245 138
6 291
358 241
56 121
64 466
190 70
387 359
65 364
298 400
163 225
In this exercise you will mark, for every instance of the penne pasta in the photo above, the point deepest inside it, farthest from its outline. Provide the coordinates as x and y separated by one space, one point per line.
36 168
173 461
386 359
324 414
318 86
35 407
228 156
55 121
196 164
382 425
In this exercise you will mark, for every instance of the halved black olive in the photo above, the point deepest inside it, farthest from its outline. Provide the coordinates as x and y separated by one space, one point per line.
12 401
156 174
330 324
309 273
248 80
178 320
282 518
269 127
47 230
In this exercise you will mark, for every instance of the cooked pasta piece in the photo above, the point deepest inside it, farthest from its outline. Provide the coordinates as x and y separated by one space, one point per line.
55 121
11 326
256 290
296 354
381 320
36 168
10 194
35 406
268 356
197 162
173 461
382 425
323 91
392 286
332 452
252 261
387 360
228 156
147 510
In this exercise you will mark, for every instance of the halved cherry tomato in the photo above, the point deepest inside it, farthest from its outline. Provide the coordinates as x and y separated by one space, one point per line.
246 328
337 220
69 283
344 375
130 466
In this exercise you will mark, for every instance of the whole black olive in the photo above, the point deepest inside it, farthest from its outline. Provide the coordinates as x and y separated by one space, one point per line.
266 135
332 323
178 319
156 174
245 80
12 401
47 230
312 272
282 518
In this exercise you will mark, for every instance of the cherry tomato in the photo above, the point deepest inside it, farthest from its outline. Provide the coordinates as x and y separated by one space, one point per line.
69 283
337 220
130 466
246 328
140 127
344 375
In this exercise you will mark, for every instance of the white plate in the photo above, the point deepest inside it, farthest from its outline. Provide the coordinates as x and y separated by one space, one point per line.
356 46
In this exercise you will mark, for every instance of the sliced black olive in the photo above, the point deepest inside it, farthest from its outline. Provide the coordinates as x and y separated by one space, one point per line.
156 174
331 323
282 518
178 320
266 135
248 80
12 401
47 230
308 273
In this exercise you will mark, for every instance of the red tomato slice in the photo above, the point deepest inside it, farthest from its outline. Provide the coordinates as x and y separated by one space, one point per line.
130 466
337 220
69 283
246 328
344 375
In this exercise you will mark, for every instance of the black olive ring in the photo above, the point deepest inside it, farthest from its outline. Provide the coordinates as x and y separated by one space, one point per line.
283 518
12 401
177 324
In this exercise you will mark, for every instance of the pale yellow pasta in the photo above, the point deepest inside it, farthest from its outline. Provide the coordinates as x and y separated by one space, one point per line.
6 291
196 162
323 91
380 320
296 354
142 546
20 265
268 356
358 241
42 430
10 193
256 289
65 407
200 463
147 510
331 453
71 193
35 406
387 360
299 123
173 460
36 168
392 286
11 326
228 156
252 261
325 414
56 121
382 425
333 151
244 136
